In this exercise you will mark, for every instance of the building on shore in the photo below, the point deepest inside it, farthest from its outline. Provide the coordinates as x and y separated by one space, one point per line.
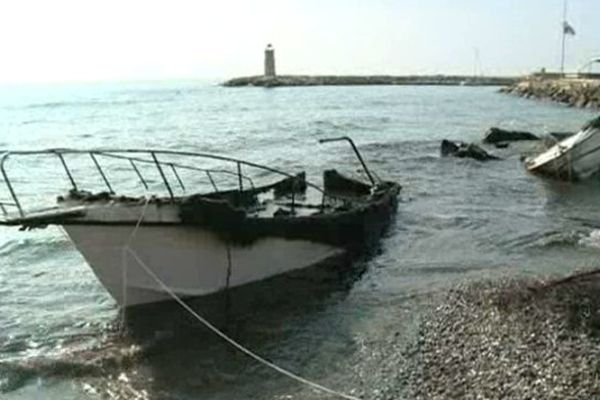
270 61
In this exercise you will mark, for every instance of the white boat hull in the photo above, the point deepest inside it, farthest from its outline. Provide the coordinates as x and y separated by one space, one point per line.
575 158
190 261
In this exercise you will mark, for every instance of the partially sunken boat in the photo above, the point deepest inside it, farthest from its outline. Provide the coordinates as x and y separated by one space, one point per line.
199 236
575 158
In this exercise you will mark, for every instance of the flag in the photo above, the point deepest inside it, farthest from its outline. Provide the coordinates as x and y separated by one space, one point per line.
568 29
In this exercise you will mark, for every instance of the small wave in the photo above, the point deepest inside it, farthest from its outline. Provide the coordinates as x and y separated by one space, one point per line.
96 362
17 374
416 146
34 121
546 239
426 158
382 103
91 103
443 268
55 104
345 126
13 378
525 240
562 239
591 240
32 244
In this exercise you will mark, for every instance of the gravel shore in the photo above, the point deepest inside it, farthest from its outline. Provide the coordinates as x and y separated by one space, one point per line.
512 339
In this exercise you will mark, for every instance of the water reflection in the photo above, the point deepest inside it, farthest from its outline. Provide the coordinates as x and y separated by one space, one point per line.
289 320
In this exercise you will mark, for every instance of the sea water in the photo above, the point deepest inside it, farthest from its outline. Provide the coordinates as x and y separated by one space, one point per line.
458 220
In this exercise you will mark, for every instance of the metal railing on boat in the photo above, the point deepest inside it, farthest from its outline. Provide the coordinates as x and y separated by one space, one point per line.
135 157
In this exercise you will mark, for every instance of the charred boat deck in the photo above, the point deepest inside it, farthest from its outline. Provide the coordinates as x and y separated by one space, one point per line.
203 222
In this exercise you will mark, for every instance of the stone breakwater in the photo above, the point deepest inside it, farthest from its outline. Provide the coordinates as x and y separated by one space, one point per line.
573 92
353 80
514 339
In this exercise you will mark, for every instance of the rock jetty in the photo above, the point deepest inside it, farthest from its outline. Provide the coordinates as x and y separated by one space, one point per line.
572 92
352 80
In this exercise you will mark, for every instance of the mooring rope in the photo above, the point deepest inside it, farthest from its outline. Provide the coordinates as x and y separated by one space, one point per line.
216 330
125 264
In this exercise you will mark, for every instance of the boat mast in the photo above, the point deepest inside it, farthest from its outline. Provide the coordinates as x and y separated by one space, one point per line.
477 68
564 34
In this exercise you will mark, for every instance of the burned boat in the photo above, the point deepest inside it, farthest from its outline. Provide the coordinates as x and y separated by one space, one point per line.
575 158
202 235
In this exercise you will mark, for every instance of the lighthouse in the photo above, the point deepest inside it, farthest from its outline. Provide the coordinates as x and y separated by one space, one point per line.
269 61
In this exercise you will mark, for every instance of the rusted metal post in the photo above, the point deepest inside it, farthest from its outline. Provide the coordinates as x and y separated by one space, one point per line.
212 181
239 168
62 160
177 176
162 174
293 194
139 174
102 173
355 151
9 185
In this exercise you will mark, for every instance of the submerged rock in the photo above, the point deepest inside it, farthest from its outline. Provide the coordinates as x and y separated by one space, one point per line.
465 150
495 135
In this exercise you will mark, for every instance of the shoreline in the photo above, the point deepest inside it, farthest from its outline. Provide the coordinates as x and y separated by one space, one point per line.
513 338
364 80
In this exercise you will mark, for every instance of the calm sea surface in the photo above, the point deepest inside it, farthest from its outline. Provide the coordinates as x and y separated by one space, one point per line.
457 220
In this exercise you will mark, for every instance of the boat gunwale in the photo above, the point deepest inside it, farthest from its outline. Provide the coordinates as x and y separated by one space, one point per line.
63 217
119 153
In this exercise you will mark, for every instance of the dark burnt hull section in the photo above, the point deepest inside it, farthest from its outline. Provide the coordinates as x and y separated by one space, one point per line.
352 227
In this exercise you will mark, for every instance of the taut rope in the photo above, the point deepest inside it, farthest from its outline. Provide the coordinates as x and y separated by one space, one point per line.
127 248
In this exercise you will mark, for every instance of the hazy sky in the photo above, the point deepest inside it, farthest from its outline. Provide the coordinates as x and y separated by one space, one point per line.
73 40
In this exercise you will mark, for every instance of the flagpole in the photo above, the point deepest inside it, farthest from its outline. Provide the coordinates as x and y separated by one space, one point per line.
564 34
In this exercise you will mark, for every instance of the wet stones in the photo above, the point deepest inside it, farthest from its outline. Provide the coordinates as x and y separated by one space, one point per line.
499 135
465 150
572 92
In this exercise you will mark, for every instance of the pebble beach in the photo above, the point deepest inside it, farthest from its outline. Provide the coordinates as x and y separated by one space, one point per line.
517 339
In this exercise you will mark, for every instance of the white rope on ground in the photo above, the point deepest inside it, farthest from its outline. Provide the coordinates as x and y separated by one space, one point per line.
217 331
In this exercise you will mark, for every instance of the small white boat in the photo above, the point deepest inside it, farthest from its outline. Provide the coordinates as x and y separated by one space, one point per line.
204 241
574 158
